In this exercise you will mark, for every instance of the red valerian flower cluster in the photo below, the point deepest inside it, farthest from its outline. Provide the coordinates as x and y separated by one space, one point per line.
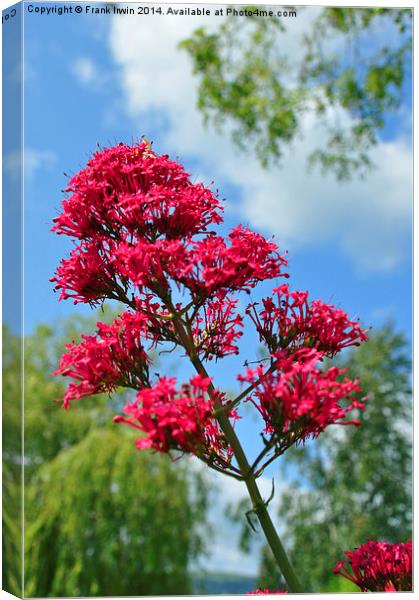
140 221
297 400
379 567
131 192
143 235
294 397
112 358
289 322
215 266
181 420
88 275
217 330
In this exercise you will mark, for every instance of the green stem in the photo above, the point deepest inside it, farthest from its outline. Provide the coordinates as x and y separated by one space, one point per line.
260 508
259 505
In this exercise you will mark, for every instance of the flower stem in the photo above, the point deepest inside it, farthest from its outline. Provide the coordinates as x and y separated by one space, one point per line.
259 506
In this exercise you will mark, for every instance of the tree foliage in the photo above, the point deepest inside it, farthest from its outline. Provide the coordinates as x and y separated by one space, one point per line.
106 521
345 73
11 464
100 518
353 484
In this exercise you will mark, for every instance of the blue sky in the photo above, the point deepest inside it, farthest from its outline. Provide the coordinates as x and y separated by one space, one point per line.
99 80
12 164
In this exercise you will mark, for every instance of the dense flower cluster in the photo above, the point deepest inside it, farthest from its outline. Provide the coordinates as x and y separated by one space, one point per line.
114 357
88 275
178 420
289 322
204 267
131 192
215 266
297 400
379 567
217 330
139 220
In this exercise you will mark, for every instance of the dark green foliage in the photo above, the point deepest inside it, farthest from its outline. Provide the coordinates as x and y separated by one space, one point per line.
248 80
101 518
353 484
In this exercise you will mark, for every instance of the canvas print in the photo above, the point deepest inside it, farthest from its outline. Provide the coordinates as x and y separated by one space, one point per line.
207 216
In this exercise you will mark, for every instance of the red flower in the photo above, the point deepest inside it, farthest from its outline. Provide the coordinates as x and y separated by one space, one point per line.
89 275
217 329
379 567
149 265
178 420
290 322
131 191
139 221
215 266
159 319
297 400
205 267
114 357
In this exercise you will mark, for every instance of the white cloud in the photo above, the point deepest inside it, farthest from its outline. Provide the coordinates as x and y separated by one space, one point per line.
368 219
88 73
34 160
84 70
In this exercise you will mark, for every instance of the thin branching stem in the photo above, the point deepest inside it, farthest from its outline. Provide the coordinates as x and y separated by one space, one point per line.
259 506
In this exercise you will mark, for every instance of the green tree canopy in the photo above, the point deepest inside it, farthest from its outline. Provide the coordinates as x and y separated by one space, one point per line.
108 521
100 517
353 484
352 63
11 463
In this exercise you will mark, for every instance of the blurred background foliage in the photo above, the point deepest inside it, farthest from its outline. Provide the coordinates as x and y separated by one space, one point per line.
100 517
11 463
352 484
343 72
